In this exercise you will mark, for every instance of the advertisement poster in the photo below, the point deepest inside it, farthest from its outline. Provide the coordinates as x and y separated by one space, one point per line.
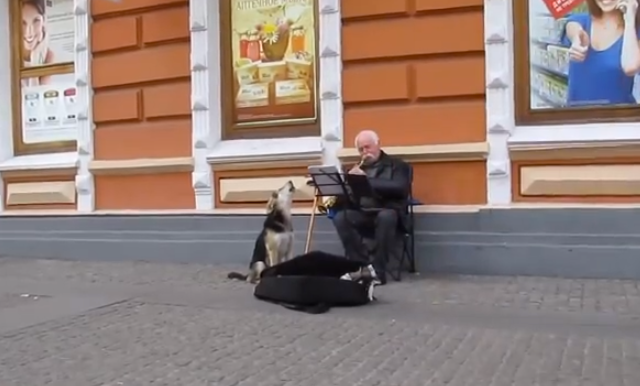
47 32
273 49
49 112
579 55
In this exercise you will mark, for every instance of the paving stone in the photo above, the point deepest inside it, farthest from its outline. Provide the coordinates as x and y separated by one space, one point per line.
136 344
148 342
10 300
527 293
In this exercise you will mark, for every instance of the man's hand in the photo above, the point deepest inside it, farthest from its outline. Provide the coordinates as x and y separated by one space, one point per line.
356 170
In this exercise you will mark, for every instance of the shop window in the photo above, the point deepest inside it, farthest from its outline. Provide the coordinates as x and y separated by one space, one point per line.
576 61
43 91
269 53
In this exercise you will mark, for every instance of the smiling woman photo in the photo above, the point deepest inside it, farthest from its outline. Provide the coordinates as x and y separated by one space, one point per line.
605 53
35 51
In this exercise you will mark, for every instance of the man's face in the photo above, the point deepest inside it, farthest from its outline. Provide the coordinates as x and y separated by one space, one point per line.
369 150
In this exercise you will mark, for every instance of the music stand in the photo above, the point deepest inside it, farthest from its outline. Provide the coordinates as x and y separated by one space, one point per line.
359 186
328 182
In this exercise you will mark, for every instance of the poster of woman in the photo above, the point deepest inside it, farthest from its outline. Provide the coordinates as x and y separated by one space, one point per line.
584 53
47 33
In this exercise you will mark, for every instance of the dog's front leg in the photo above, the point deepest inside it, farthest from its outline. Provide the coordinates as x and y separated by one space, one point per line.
289 253
272 255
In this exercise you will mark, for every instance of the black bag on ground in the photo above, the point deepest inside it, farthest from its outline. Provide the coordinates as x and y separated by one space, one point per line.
312 283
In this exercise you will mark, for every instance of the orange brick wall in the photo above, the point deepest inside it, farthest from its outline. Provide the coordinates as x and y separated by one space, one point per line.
414 72
141 79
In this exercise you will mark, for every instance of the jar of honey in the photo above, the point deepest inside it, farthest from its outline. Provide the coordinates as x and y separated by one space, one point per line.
298 39
243 44
253 46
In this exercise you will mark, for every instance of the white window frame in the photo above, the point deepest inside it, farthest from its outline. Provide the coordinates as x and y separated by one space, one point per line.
48 161
208 146
502 132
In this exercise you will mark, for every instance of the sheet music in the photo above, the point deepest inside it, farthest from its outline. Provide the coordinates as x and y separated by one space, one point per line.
328 179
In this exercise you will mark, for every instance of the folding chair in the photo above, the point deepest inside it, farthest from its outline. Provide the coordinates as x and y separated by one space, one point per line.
406 258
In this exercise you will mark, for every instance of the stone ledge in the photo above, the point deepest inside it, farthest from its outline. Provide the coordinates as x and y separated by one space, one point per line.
458 152
235 154
141 166
569 151
245 190
40 162
41 193
580 180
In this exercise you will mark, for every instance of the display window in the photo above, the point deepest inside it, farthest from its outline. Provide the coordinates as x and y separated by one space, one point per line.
269 54
44 89
576 61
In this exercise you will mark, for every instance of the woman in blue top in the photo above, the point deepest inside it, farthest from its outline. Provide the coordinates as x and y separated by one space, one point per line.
605 53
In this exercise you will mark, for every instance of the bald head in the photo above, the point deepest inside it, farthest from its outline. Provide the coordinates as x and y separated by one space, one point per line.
368 144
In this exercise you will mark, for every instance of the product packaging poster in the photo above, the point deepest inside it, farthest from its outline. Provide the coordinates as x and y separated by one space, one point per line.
47 32
273 46
49 112
579 53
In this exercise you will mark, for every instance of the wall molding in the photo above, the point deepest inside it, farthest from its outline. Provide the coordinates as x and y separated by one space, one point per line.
259 189
141 166
9 175
458 152
574 151
580 180
287 163
265 150
41 193
208 147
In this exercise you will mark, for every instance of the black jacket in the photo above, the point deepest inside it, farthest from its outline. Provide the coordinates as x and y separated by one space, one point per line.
390 178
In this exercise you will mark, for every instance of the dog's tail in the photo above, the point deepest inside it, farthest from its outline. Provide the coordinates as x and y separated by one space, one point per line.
237 276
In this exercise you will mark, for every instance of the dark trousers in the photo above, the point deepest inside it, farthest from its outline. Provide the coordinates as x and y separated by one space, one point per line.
352 225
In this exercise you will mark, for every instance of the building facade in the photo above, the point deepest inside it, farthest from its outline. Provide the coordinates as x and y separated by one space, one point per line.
166 110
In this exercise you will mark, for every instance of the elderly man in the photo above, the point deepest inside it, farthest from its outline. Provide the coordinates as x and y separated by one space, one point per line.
381 214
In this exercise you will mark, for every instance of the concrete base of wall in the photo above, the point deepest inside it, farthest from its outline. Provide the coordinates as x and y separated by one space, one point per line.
575 243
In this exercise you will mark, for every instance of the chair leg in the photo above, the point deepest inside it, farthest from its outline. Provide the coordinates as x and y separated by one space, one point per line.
411 251
312 223
396 274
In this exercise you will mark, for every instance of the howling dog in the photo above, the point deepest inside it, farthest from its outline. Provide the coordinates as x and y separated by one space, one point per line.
275 243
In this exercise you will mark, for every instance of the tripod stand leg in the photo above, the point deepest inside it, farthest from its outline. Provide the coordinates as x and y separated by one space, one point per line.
312 223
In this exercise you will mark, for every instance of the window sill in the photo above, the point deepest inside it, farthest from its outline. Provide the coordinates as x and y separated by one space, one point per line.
47 161
598 132
272 149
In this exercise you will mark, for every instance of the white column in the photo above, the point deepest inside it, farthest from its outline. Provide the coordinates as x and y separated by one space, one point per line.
331 107
205 95
85 187
499 99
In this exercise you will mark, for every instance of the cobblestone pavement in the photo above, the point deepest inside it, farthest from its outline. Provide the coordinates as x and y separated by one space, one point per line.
141 342
532 293
9 300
